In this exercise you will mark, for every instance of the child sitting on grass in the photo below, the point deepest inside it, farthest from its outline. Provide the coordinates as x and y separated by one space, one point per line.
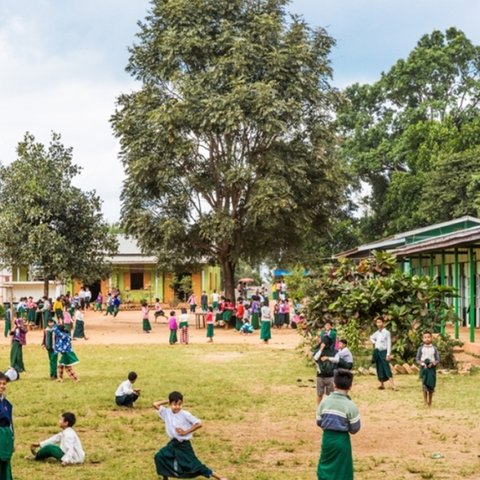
64 446
428 359
126 395
177 459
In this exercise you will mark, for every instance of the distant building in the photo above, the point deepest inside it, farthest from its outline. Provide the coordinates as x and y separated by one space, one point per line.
133 273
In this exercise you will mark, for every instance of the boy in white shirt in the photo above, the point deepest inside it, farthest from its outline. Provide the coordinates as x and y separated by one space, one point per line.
126 395
64 446
177 458
382 354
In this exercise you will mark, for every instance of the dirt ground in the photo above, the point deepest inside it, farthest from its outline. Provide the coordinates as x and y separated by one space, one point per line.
126 329
398 435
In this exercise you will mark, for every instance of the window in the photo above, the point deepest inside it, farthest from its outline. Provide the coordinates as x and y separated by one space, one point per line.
136 281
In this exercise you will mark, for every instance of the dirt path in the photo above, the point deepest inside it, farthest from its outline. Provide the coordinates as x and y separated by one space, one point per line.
126 329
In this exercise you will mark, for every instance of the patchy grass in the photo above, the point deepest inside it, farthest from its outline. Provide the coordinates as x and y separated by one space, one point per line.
258 407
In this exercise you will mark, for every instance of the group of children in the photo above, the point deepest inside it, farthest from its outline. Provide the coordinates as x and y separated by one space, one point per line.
337 414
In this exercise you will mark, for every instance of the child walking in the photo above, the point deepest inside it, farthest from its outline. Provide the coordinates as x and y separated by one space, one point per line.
158 310
177 459
173 327
145 321
48 344
266 323
126 395
63 345
428 358
64 446
338 417
210 322
183 326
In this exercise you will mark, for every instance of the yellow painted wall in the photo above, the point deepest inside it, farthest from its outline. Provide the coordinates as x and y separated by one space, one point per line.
169 294
197 285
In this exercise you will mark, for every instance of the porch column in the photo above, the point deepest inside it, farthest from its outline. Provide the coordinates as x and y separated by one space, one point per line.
471 316
442 282
456 301
432 270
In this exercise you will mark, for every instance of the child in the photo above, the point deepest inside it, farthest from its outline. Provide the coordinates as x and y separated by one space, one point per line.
177 459
428 359
116 305
325 369
126 395
63 345
183 326
67 317
79 331
382 354
172 326
338 417
48 344
109 305
145 321
19 339
158 310
64 446
265 329
99 302
246 328
343 358
6 431
239 313
8 320
210 322
58 308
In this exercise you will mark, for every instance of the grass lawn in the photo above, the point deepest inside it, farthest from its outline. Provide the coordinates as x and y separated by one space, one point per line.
257 405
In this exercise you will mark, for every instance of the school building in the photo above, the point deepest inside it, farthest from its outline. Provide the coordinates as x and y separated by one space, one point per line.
133 273
448 252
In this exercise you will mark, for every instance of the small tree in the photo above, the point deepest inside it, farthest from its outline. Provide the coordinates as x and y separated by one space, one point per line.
352 296
47 224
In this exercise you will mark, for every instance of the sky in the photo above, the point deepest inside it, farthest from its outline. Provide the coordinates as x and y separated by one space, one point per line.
62 65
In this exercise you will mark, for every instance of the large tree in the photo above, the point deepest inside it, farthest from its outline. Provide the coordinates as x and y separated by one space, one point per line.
228 145
401 129
46 224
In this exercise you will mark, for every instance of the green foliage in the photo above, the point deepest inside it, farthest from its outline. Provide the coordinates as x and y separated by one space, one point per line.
228 146
2 311
353 295
413 135
297 283
46 223
247 271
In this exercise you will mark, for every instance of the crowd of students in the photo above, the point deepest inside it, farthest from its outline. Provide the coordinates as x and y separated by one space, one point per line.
336 413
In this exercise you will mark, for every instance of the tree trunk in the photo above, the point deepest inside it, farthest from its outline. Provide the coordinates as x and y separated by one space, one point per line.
228 274
45 287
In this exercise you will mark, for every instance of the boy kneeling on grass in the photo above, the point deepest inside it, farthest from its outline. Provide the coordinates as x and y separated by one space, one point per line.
177 459
64 446
338 417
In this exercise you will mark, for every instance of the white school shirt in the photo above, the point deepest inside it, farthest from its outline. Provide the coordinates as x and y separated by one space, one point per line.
183 419
69 443
125 388
215 297
382 340
265 311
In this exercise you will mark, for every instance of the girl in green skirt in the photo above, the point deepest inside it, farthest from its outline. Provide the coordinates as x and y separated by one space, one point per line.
173 327
6 432
63 346
265 329
19 339
145 321
210 324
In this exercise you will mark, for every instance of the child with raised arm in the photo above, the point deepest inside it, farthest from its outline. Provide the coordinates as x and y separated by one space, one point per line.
126 395
428 358
64 446
343 358
177 459
338 417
